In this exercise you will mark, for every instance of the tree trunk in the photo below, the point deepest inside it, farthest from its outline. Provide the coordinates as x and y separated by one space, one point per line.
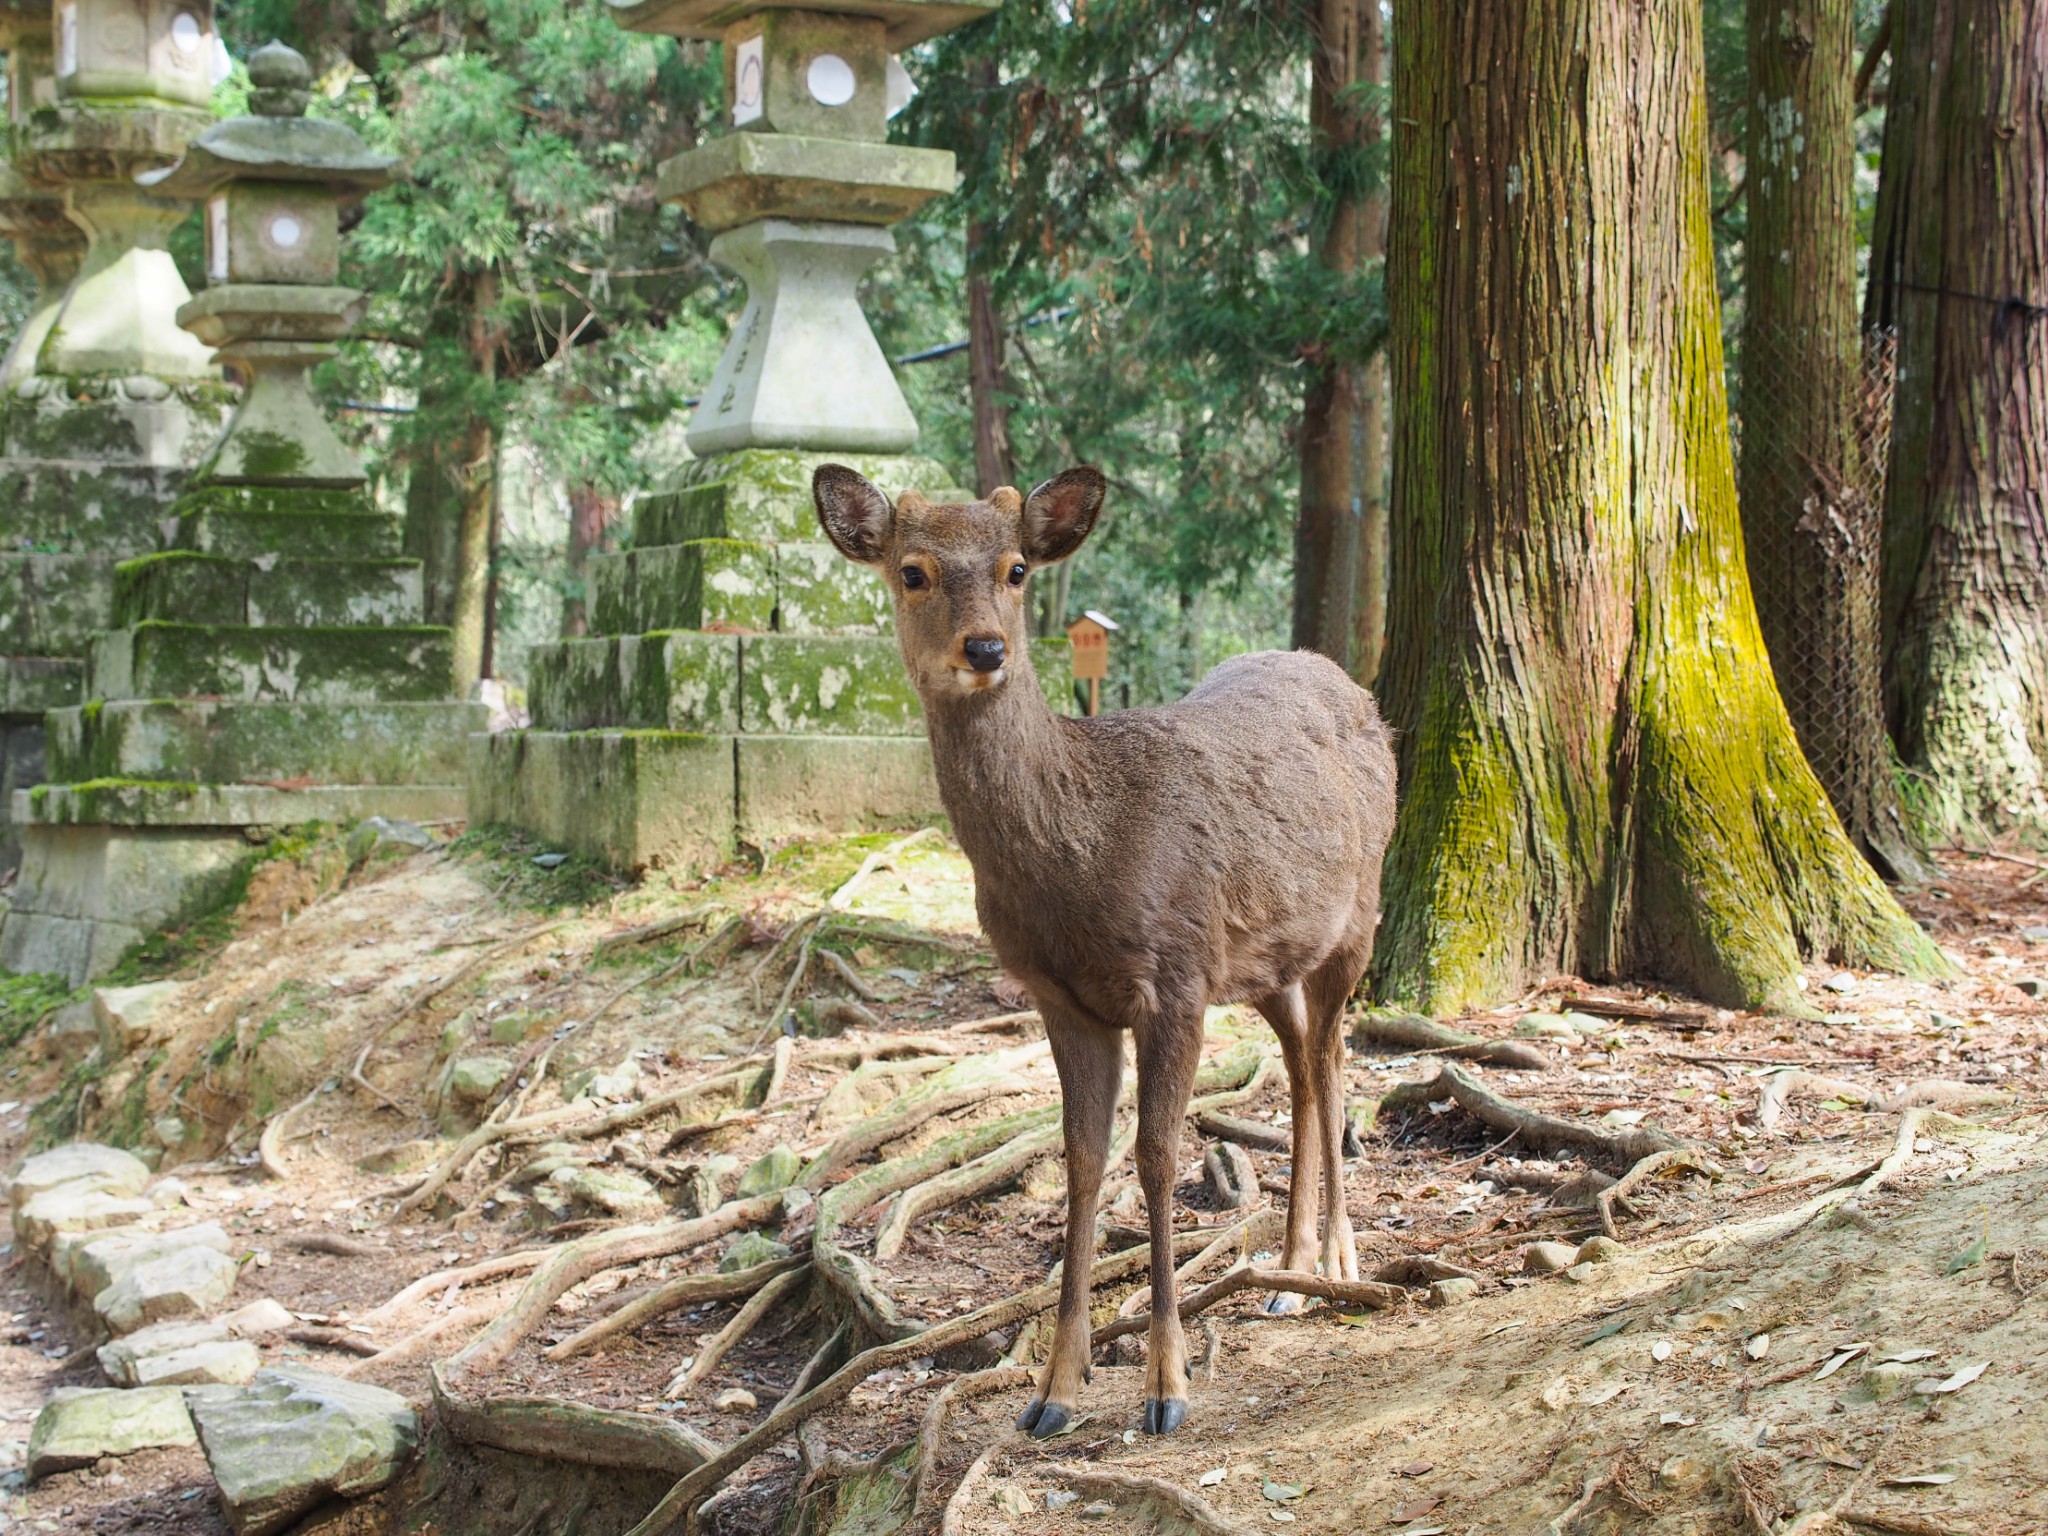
1959 265
1328 526
592 510
1810 506
476 474
988 381
1599 775
1369 606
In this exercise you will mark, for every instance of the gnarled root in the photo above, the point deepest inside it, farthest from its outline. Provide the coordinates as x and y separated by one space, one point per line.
720 1344
683 1291
1623 1148
1618 1192
1412 1032
561 1430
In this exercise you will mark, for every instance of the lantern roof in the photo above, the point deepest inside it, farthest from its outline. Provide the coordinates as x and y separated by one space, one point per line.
276 142
908 21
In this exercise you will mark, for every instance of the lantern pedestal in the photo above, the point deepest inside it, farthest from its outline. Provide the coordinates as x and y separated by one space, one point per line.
269 336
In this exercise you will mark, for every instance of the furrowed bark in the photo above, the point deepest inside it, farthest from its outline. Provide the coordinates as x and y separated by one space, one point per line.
1959 263
1598 775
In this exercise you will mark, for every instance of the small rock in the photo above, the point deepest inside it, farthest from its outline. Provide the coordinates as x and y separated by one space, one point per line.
102 1261
618 1082
79 1426
187 1283
1556 1397
775 1169
128 1017
1579 1274
1012 1500
750 1249
1589 1024
1548 1258
2035 933
1544 1026
84 1163
2033 986
294 1438
1684 1474
167 1194
1232 1177
735 1400
117 1357
1841 981
1888 1381
608 1191
1600 1250
473 1079
1100 1509
262 1316
228 1362
378 839
516 1027
1454 1292
71 1208
1060 1498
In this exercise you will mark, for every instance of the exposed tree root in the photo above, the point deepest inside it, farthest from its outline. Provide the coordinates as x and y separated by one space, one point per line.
453 1279
1930 1093
333 1338
1819 1519
989 1171
883 858
557 1429
1412 1032
818 1364
721 1343
652 933
682 1291
1595 1484
425 1343
1358 1293
270 1145
1246 1133
1167 1502
692 1490
931 1432
968 1081
574 1262
1623 1148
1421 1269
954 1521
331 1243
1617 1193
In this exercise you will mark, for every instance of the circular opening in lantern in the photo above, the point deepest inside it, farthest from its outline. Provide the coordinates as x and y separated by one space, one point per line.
186 33
286 232
831 80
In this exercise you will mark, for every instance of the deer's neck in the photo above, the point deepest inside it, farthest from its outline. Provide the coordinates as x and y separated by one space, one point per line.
1007 766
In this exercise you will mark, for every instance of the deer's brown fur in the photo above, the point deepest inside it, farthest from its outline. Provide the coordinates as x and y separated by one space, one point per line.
1135 868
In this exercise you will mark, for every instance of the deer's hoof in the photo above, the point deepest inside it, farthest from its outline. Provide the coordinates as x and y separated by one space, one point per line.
1283 1304
1043 1420
1163 1415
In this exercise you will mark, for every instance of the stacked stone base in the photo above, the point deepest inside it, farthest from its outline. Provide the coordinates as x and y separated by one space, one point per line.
267 671
747 687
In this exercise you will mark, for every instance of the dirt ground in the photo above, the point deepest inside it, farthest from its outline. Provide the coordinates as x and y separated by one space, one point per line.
1675 1389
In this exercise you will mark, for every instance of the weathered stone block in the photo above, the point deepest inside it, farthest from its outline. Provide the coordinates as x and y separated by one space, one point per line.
819 592
31 684
81 507
729 583
668 681
326 666
634 799
80 1425
51 605
128 803
192 587
795 785
187 1282
764 494
809 685
247 521
295 1438
74 1209
84 1163
260 743
107 1260
742 178
127 1016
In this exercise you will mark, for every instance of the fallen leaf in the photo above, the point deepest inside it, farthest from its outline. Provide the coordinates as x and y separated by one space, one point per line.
1414 1511
1285 1517
1842 1356
1683 1421
1921 1479
1606 1394
1414 1469
1280 1493
1212 1477
1907 1356
1961 1379
1060 1498
1661 1350
1509 1327
1970 1257
1758 1346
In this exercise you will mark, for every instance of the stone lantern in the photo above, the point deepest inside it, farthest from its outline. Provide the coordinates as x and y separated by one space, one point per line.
156 48
273 185
32 215
799 197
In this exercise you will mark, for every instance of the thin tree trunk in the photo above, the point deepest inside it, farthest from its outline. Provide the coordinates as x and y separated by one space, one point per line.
477 475
1810 512
592 510
1369 602
1959 264
1599 776
1328 525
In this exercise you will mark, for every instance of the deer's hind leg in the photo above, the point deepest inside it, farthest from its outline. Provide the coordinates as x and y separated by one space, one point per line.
1168 1048
1090 1059
1287 1011
1327 991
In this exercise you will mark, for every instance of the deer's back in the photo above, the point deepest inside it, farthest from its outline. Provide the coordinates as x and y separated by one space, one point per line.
1227 843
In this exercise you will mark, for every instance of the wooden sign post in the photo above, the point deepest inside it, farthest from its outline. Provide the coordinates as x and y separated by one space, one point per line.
1089 637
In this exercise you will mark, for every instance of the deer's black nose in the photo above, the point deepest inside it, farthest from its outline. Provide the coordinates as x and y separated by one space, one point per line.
984 655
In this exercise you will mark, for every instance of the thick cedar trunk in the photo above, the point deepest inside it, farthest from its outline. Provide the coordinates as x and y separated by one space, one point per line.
988 381
476 465
1328 542
1810 512
592 510
1959 265
1599 775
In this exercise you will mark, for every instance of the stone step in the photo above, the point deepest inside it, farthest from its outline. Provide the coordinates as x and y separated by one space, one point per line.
31 684
52 605
395 664
671 799
790 588
248 521
187 586
80 506
148 803
272 743
808 684
764 494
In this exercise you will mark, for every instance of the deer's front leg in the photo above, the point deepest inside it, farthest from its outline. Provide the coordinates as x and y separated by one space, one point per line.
1090 1060
1166 1076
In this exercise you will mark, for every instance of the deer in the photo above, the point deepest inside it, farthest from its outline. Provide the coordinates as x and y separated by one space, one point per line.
1132 869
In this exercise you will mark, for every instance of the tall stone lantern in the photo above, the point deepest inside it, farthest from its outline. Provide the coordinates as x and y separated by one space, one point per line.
32 215
744 686
273 185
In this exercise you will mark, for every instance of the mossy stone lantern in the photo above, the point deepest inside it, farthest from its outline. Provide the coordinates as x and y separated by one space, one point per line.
799 195
32 213
273 185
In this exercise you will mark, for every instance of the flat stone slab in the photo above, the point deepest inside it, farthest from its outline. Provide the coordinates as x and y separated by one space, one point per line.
259 1317
79 1426
80 1209
180 1354
293 1438
187 1283
93 1266
80 1162
127 1016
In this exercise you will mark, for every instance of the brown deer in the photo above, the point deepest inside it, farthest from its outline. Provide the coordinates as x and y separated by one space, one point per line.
1134 868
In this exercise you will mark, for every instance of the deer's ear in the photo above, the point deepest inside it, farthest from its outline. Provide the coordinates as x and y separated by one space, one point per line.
1059 514
855 515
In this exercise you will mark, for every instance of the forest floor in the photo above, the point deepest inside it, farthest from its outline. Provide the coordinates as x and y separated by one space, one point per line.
1874 1186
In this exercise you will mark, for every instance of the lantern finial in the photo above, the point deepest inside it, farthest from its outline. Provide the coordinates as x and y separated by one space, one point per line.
281 81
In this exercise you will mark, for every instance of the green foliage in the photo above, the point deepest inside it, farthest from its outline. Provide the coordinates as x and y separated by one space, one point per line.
515 878
25 1001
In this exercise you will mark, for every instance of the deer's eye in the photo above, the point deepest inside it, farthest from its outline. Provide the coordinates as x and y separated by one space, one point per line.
913 577
1017 574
